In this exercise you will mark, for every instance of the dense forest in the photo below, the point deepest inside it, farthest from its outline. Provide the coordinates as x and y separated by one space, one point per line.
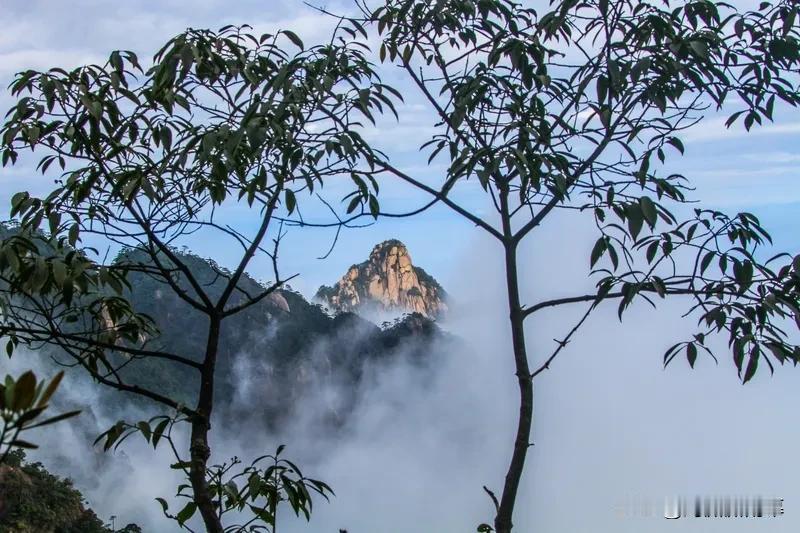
33 500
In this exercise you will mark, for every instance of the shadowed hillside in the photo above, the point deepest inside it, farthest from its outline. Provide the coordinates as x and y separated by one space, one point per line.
276 352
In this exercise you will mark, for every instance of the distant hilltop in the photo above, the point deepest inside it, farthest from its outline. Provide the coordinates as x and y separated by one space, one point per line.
386 283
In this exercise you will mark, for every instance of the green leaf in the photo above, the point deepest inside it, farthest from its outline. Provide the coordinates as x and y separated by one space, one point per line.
641 67
704 264
294 38
17 201
602 88
72 236
164 504
50 390
407 51
374 206
53 420
652 250
263 514
659 287
598 251
691 353
144 427
59 272
743 273
354 202
291 201
635 220
166 137
24 391
158 432
186 513
648 210
700 48
612 254
752 365
677 143
8 392
19 443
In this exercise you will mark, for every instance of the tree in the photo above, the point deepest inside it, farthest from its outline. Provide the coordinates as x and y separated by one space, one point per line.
575 108
221 120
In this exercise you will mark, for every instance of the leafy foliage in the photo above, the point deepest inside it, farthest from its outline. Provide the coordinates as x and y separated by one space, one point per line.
256 491
147 156
22 402
574 107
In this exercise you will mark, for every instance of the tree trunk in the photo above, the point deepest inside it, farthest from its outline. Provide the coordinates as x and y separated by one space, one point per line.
503 520
200 453
199 449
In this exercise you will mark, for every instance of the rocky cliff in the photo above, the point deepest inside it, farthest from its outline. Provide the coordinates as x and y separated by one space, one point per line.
387 282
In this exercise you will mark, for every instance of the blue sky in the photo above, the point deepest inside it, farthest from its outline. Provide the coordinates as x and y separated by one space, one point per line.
733 171
46 34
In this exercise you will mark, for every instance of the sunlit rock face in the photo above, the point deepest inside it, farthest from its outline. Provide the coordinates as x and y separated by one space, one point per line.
388 282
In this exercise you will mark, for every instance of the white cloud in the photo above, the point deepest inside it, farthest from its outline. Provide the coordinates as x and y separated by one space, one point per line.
714 129
43 59
773 157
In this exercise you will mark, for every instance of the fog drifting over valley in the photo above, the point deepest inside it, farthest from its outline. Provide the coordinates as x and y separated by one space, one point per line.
610 425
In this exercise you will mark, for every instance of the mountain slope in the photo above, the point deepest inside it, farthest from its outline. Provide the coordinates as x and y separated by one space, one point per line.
32 500
276 354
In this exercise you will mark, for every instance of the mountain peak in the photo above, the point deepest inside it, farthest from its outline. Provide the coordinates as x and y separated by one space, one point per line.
387 282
